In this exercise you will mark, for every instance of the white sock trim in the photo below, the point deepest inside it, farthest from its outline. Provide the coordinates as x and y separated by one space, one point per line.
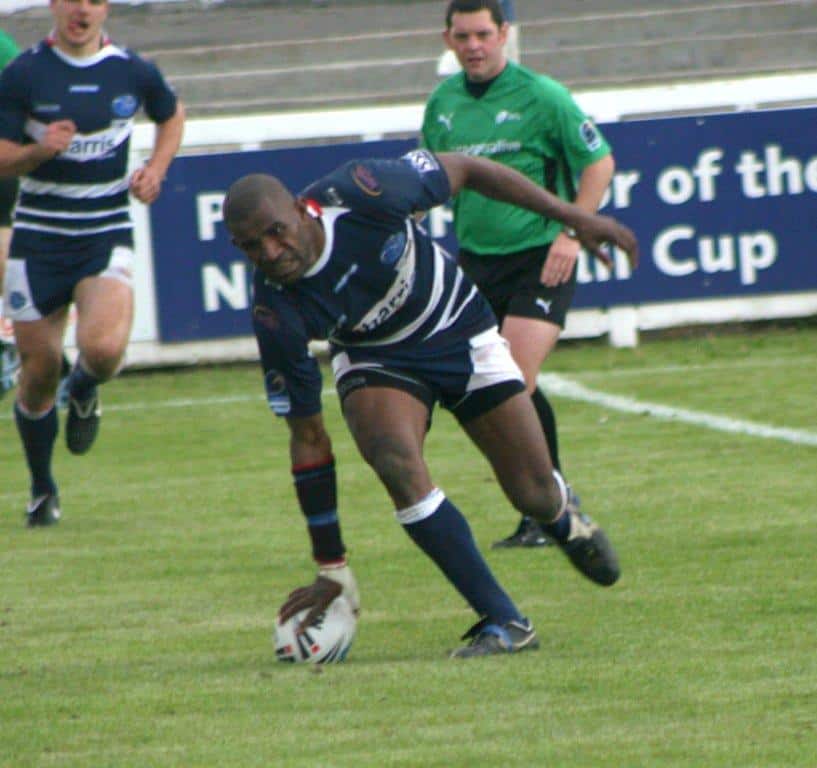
34 416
424 508
560 481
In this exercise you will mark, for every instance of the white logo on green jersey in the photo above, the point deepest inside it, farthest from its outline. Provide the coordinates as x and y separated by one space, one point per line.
446 120
505 117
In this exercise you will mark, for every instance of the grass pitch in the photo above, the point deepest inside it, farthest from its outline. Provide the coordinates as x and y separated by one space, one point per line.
137 632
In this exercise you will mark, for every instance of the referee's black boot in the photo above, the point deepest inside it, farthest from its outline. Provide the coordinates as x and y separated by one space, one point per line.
527 534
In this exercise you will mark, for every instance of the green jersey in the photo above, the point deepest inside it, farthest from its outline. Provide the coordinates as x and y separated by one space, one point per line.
527 121
8 49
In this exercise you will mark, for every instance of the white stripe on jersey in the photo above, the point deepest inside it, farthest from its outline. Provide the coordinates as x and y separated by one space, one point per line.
73 215
71 232
399 290
73 191
446 318
433 301
328 217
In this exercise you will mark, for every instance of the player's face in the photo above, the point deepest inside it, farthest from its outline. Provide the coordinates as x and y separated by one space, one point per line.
477 43
78 25
277 241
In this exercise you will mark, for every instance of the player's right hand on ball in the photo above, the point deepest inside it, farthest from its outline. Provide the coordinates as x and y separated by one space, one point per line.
316 597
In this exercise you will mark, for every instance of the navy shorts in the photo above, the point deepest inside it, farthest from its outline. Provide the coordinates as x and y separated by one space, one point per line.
512 284
39 283
468 376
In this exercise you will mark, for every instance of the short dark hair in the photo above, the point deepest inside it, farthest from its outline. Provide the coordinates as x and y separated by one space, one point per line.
474 6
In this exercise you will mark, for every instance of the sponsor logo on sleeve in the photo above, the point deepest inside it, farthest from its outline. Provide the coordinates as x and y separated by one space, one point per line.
366 180
590 135
277 395
422 160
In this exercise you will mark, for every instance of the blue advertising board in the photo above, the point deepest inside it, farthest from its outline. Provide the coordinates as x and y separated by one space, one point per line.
723 206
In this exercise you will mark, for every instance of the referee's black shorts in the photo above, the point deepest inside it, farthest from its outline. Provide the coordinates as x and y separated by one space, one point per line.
512 284
8 197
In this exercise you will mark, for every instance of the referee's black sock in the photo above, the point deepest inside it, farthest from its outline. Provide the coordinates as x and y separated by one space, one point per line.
81 383
548 421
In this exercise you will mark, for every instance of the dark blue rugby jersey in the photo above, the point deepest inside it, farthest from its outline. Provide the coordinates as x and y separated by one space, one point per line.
83 191
380 280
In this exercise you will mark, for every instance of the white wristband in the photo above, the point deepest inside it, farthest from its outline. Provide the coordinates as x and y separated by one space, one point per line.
342 574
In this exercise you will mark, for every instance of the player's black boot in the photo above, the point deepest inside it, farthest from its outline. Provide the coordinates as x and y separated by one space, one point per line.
82 424
43 510
527 534
589 549
488 639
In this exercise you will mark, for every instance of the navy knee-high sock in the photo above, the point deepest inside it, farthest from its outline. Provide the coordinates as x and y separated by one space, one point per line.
440 530
38 434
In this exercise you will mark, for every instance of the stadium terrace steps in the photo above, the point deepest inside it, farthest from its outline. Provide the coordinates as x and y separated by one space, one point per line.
248 55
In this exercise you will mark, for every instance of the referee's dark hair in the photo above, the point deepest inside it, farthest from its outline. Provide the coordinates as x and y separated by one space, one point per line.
473 6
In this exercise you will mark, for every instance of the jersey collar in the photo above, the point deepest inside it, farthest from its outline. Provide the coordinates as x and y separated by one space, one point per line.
106 48
328 218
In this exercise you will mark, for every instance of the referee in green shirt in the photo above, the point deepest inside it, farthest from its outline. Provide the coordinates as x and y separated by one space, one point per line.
523 263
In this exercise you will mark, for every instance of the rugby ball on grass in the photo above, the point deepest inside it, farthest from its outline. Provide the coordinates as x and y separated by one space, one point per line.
327 640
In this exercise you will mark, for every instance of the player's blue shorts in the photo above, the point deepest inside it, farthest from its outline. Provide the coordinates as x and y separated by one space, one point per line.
466 375
37 284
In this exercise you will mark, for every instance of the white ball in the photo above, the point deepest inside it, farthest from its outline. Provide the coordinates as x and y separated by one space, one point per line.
327 640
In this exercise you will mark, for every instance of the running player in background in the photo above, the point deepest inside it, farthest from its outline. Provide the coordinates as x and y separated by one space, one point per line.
67 108
524 263
9 360
346 261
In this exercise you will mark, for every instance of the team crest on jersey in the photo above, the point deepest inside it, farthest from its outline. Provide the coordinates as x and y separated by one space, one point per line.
393 248
125 105
366 180
590 135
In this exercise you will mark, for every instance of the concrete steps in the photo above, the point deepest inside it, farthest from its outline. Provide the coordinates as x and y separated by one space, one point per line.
248 55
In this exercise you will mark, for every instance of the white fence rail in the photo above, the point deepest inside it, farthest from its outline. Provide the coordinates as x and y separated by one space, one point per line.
621 323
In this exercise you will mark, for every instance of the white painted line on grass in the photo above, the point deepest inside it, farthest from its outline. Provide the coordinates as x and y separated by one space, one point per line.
561 386
557 385
727 365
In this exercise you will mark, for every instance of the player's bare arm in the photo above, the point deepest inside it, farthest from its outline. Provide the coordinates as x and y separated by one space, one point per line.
500 182
564 251
146 182
20 159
